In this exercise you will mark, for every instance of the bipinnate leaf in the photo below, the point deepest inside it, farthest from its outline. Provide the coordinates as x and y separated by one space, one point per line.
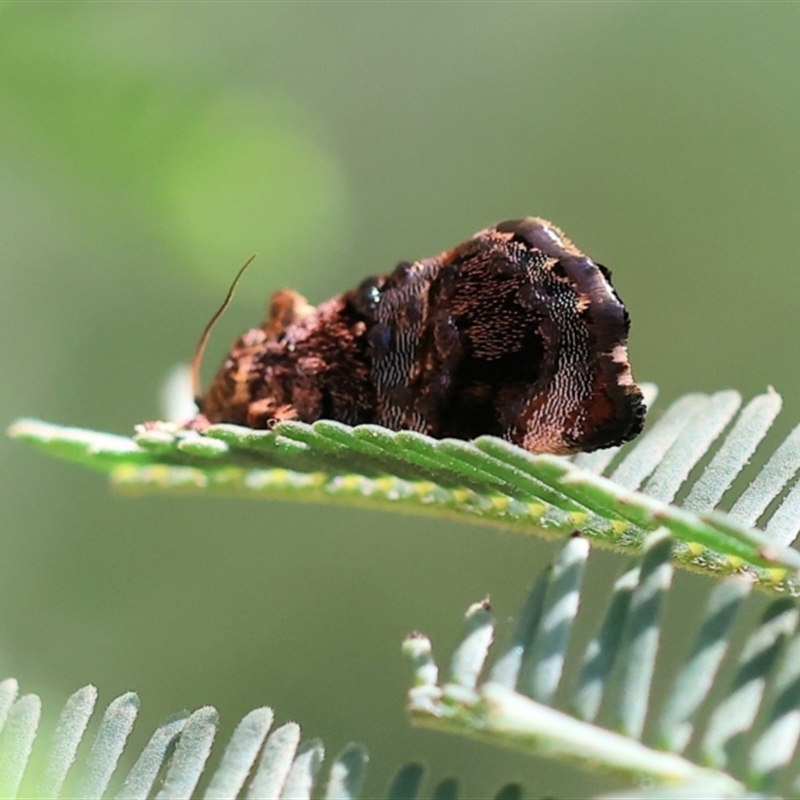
492 482
744 741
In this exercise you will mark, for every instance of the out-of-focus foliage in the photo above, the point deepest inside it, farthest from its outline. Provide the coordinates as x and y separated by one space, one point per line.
213 167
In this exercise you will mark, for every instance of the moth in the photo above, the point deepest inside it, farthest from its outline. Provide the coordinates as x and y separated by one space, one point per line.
514 333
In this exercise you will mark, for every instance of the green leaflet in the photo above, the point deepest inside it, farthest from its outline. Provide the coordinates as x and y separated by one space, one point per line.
741 743
530 698
490 481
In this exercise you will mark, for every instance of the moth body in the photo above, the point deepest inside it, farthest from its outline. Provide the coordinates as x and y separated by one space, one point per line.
514 333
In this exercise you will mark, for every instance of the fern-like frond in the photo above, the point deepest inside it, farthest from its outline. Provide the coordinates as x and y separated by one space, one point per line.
746 744
613 497
693 745
258 762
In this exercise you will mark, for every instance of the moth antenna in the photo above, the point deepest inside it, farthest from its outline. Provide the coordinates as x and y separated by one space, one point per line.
197 358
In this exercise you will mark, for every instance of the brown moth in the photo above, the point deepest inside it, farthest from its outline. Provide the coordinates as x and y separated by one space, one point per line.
514 333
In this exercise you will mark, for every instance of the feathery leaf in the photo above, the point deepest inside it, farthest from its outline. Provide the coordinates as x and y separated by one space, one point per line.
493 482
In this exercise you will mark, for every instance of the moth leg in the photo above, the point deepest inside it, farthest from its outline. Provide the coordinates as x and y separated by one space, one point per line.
264 413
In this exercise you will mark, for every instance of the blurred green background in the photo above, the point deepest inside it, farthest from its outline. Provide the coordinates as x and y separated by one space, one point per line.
147 149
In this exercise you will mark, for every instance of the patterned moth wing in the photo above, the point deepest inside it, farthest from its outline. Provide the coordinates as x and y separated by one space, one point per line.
514 333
